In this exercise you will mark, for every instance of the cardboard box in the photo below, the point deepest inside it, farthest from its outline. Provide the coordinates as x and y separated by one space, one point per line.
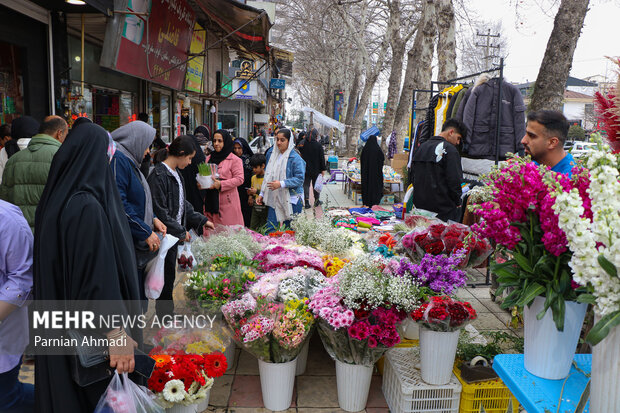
400 161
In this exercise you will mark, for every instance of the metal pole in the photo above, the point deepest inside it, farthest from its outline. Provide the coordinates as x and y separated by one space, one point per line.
499 109
50 46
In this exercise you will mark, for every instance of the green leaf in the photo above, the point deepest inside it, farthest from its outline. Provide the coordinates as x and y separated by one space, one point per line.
586 298
549 299
565 279
511 300
522 261
528 294
543 265
602 328
584 398
607 266
558 310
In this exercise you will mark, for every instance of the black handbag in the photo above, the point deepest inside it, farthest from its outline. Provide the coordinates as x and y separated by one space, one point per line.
89 364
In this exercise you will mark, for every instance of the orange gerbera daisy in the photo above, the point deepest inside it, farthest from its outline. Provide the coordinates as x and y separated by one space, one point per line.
161 359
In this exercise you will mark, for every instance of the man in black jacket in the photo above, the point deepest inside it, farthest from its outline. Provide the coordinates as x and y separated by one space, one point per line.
437 173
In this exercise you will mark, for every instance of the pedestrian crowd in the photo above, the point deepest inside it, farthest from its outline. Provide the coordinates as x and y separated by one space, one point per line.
83 211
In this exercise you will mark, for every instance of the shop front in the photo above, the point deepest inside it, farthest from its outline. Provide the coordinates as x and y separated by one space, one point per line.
24 63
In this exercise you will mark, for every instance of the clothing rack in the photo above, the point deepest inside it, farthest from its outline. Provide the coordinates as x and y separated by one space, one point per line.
454 81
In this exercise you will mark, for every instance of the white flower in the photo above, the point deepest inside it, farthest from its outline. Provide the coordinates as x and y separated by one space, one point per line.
174 391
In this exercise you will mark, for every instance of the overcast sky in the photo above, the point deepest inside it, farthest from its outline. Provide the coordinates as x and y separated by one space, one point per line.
527 44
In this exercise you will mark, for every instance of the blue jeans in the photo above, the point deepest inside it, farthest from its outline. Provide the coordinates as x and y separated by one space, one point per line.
272 221
15 396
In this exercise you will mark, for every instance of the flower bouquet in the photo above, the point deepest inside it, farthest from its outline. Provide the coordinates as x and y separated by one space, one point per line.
435 274
231 240
184 379
358 313
441 319
289 257
210 290
517 212
333 264
593 232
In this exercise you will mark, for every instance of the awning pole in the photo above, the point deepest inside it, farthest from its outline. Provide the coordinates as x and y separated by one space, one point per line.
82 56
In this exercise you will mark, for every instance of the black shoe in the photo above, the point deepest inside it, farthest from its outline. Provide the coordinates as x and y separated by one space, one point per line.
317 203
307 205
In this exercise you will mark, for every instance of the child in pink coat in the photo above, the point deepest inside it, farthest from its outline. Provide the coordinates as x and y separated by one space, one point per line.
230 170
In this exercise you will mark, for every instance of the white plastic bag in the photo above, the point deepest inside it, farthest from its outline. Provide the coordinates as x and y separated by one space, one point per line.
206 182
318 185
124 396
185 257
154 281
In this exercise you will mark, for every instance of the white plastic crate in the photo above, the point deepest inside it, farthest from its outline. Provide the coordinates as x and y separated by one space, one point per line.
406 392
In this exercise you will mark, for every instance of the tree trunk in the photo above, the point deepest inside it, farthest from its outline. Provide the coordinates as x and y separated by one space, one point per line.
356 126
419 69
446 43
555 68
351 139
396 71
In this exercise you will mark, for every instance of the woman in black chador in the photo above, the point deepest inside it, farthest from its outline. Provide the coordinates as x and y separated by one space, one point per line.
83 250
372 172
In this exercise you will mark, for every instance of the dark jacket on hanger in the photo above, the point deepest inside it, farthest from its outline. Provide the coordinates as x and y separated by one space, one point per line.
480 118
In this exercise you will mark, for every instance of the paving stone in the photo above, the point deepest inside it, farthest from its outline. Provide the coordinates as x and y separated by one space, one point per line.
319 363
246 392
492 305
464 294
488 321
320 410
256 410
317 391
375 394
220 392
478 306
247 364
480 292
377 410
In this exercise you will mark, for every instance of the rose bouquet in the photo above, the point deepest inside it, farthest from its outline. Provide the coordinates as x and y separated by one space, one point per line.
286 257
272 332
360 308
592 226
518 215
442 313
184 379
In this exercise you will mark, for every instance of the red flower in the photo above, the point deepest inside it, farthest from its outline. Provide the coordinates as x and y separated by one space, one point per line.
361 314
158 380
215 364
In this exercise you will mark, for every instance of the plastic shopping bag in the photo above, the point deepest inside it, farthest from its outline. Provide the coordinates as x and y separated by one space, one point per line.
154 281
318 186
185 257
124 396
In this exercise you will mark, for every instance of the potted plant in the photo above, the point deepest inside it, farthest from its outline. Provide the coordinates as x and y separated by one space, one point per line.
594 239
358 313
440 319
517 212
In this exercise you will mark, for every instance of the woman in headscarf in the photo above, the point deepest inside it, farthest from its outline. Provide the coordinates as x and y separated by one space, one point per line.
242 149
82 251
314 156
222 204
204 139
282 189
170 205
372 172
194 195
133 141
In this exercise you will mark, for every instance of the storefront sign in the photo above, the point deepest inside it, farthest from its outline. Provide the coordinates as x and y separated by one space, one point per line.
244 97
155 51
247 70
277 83
338 102
195 67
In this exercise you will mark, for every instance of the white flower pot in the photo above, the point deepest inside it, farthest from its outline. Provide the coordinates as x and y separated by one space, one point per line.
205 182
437 353
353 382
230 353
548 353
604 396
302 359
276 382
410 329
203 405
179 408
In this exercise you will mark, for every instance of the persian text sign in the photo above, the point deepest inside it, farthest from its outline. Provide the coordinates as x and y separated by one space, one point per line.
195 67
150 54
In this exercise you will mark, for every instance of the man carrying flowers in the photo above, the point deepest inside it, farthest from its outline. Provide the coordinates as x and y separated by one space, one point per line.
545 134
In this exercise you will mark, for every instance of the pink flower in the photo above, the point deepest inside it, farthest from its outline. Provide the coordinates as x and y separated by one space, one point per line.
226 281
372 342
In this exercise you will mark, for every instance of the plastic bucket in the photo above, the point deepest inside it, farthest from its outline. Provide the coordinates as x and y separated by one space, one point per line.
277 381
229 353
302 359
548 353
204 405
353 383
605 396
179 408
437 353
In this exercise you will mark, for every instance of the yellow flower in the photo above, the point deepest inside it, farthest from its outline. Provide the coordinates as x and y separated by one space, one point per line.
250 276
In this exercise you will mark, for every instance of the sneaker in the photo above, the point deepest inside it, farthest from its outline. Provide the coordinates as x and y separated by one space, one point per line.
318 202
307 205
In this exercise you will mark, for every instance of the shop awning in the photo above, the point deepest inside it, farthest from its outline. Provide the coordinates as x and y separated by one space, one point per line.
283 60
252 24
324 119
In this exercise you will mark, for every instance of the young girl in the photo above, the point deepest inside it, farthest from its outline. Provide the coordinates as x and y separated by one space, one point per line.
171 207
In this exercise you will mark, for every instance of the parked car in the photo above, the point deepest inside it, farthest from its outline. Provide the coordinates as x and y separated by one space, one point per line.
581 148
258 146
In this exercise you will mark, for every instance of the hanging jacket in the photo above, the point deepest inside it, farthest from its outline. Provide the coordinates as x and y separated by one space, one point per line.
461 109
480 119
426 133
442 106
